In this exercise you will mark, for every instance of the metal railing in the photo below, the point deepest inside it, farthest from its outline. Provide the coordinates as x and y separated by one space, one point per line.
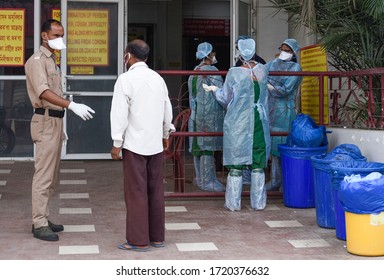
355 100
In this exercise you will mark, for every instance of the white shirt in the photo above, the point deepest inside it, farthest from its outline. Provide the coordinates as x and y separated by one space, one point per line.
141 112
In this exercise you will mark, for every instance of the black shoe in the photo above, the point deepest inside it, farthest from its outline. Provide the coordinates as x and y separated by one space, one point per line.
54 228
45 233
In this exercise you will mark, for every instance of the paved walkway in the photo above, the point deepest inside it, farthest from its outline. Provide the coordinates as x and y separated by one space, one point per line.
89 202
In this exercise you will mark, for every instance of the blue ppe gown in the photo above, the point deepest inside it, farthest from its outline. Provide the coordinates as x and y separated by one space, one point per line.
206 113
283 100
238 97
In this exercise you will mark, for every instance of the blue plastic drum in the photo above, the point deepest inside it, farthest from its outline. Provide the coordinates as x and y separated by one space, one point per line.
297 174
325 206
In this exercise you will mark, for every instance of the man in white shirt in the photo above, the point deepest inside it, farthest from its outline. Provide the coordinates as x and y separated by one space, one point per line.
141 121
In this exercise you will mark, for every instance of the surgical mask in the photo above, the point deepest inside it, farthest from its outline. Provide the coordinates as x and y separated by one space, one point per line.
125 56
286 56
57 44
126 63
237 54
213 60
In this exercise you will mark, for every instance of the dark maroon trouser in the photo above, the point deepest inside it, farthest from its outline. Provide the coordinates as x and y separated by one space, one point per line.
144 198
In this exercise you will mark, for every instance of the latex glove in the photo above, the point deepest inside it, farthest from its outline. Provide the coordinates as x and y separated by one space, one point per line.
270 87
65 138
210 88
83 111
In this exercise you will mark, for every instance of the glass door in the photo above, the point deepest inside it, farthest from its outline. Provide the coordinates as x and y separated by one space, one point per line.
95 38
241 22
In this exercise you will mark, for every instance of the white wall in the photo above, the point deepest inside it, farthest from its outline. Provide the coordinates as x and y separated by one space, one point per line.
370 142
271 30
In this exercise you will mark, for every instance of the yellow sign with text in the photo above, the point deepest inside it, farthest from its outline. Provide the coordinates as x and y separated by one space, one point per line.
12 37
87 39
56 14
313 59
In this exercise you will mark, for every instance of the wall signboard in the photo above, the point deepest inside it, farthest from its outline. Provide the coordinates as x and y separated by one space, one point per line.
313 59
206 27
87 40
12 37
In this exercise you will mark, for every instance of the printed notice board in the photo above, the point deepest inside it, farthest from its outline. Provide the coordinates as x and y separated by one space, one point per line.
313 59
12 37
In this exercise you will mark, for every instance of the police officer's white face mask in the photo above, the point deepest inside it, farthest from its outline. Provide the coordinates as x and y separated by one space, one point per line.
57 44
286 56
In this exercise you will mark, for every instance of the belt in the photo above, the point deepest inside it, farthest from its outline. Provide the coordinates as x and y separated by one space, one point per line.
51 113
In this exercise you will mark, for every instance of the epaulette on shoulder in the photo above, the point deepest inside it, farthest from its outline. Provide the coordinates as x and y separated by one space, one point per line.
38 55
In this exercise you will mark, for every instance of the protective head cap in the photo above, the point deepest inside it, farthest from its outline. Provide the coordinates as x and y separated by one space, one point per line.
203 50
247 48
242 37
292 43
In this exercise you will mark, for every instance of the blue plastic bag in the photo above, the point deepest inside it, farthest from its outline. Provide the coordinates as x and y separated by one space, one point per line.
340 169
345 152
362 197
306 133
341 153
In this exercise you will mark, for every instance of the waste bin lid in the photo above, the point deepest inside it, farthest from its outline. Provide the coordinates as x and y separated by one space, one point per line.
301 152
323 162
355 166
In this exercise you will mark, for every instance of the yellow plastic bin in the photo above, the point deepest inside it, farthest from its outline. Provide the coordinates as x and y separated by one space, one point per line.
363 201
365 234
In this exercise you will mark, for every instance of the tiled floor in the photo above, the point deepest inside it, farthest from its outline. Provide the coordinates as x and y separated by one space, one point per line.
89 202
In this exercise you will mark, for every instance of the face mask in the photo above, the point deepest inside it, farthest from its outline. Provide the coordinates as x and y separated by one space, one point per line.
213 60
285 56
56 44
127 65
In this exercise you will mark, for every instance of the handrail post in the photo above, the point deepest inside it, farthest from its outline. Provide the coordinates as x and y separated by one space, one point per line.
321 100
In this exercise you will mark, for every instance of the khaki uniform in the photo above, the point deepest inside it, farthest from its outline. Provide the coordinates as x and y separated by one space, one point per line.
47 132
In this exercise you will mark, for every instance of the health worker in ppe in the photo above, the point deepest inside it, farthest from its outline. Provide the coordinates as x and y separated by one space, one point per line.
283 102
239 62
246 127
206 116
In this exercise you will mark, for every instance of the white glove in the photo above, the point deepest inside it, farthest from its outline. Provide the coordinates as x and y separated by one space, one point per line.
210 88
83 111
65 138
270 87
